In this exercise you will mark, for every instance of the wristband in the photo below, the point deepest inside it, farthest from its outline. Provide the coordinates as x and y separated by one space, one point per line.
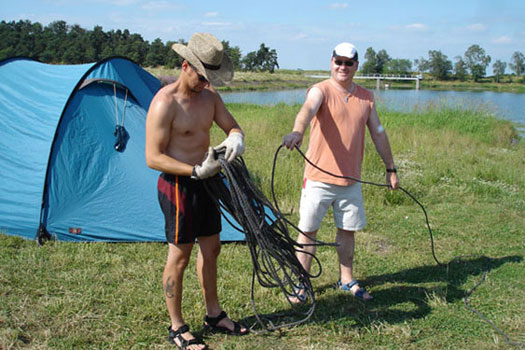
391 170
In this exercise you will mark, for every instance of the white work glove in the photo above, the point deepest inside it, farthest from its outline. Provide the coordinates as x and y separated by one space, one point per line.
234 145
209 167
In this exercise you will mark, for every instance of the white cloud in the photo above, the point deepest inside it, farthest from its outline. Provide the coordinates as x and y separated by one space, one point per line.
502 40
217 24
337 5
211 14
299 36
158 5
416 26
477 27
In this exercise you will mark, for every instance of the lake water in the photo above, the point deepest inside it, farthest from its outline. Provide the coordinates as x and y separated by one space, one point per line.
506 105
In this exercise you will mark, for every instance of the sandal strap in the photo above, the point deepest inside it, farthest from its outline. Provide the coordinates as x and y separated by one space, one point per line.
182 329
178 334
213 321
347 286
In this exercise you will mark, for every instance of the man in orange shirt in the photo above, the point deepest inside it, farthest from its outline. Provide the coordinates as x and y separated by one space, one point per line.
338 111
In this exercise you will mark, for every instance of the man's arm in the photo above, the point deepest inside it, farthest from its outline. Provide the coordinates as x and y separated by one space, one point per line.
223 117
311 105
158 129
233 145
380 139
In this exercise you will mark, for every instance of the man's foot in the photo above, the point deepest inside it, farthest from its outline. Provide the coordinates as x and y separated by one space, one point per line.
354 289
223 324
184 340
299 295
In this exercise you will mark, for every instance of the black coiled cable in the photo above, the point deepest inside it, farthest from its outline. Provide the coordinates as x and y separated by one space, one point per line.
272 250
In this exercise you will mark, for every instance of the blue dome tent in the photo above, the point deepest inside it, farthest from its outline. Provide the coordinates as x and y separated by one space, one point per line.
72 153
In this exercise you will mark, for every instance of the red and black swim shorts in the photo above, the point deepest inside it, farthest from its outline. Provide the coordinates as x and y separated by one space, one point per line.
188 209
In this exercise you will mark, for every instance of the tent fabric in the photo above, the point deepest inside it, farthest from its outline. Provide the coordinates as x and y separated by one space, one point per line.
58 163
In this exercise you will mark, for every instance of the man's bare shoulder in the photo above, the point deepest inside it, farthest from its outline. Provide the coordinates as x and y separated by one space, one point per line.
164 101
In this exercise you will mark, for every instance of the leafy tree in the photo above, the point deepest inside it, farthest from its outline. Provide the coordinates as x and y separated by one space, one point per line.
157 54
369 67
439 65
76 45
398 66
422 65
59 42
499 70
382 59
249 62
97 38
375 62
460 69
517 63
234 53
265 59
172 58
55 35
137 49
477 61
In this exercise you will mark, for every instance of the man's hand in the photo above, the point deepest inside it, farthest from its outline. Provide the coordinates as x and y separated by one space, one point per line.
292 139
233 145
209 167
392 180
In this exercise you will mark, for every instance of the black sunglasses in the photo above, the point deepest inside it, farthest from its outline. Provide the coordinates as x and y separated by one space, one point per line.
201 77
349 63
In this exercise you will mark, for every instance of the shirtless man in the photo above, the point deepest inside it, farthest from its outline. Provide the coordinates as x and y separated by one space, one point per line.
177 139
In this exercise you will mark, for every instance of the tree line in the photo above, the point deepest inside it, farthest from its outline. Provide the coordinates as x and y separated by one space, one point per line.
61 43
473 63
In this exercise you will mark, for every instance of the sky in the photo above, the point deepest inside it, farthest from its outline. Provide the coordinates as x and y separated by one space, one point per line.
303 33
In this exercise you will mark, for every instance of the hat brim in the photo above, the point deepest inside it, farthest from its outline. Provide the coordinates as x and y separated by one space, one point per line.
219 77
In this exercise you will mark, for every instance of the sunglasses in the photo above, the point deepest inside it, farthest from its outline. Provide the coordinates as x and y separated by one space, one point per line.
201 77
349 63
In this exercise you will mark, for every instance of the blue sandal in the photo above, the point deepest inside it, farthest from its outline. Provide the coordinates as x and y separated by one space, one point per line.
300 293
360 294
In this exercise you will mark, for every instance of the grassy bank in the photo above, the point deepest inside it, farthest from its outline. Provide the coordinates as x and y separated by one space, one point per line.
463 166
295 79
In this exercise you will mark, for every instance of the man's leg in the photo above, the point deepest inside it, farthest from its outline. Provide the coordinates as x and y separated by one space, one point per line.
306 259
345 251
209 249
178 258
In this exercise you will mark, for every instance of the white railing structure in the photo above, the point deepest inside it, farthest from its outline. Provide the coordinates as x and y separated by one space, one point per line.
379 77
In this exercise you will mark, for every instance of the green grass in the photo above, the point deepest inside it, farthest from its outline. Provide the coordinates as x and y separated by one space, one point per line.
462 165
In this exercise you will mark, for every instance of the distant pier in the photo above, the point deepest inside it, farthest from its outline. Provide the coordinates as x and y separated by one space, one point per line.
379 77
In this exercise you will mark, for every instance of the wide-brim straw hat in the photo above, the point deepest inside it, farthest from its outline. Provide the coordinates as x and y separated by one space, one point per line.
206 54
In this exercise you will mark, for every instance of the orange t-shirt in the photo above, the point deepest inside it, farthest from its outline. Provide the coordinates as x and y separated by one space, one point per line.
337 134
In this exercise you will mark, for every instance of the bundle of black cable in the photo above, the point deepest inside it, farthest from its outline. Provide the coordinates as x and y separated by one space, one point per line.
272 250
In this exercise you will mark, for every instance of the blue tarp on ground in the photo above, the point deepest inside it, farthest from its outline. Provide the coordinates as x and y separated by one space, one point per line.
59 169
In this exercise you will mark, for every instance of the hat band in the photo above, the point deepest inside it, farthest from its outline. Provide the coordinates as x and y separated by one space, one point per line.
211 66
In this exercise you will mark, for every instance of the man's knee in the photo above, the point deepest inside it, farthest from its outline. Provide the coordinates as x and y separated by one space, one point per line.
178 258
307 236
212 252
210 246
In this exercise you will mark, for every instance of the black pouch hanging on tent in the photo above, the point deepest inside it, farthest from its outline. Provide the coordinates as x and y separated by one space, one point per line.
122 136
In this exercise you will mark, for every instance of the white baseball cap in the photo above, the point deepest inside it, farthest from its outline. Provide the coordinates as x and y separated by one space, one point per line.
345 50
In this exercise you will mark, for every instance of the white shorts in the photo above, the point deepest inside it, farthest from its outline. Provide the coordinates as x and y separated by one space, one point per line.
347 202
